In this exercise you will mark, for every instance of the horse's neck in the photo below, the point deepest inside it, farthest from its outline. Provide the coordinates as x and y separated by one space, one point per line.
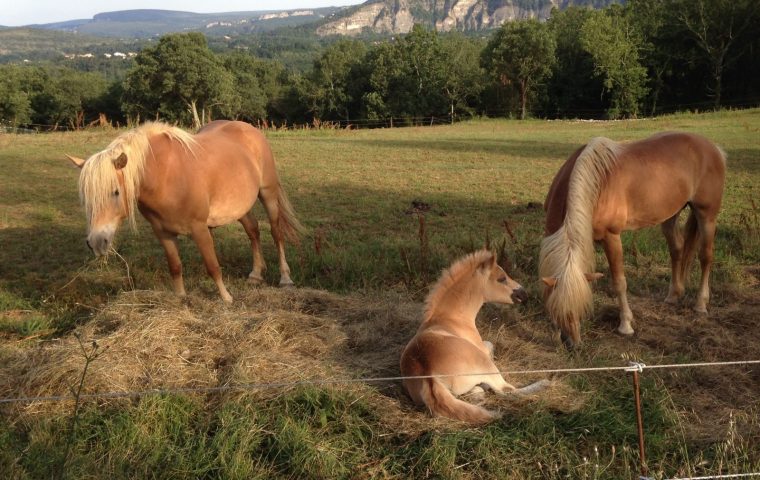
456 308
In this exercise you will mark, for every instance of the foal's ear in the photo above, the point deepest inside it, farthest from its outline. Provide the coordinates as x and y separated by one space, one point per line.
591 277
120 161
78 162
488 263
549 281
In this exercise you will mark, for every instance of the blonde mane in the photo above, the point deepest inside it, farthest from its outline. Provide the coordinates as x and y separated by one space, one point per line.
98 179
568 254
462 268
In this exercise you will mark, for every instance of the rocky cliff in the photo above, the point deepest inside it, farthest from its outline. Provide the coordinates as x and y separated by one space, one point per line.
398 16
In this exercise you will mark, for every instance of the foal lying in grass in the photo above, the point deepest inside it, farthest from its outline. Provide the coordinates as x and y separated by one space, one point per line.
448 344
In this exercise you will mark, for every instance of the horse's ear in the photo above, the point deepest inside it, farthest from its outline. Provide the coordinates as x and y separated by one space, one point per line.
78 162
591 277
120 161
487 264
549 281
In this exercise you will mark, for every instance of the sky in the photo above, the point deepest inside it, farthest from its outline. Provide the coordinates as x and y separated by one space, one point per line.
26 12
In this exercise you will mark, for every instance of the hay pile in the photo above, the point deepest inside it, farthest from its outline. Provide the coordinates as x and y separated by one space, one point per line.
154 340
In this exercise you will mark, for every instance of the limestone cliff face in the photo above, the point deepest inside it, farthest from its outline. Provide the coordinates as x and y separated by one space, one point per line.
398 16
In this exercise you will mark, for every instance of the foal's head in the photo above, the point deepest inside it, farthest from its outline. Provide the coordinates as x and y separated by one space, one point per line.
497 285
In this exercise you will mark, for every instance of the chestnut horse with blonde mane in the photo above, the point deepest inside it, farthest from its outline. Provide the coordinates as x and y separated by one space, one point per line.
186 184
607 187
448 350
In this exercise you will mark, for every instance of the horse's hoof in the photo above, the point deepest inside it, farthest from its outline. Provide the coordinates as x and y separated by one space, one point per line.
701 310
255 280
672 300
287 284
227 298
627 331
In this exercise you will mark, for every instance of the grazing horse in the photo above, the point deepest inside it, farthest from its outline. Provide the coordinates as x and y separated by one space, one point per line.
449 345
186 184
607 187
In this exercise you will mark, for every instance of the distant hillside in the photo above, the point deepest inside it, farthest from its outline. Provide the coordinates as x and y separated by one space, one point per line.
149 23
398 16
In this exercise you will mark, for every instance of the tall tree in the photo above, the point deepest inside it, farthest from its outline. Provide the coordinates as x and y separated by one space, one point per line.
717 28
15 105
181 80
329 93
573 87
251 104
613 43
464 79
521 53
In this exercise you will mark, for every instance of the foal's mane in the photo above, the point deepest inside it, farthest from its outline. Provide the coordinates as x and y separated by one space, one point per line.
98 179
461 268
568 254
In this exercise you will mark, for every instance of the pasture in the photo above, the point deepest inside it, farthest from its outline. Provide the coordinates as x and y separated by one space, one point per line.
385 210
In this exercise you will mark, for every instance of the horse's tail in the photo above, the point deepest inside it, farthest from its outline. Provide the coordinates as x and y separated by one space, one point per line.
287 220
691 238
567 255
441 402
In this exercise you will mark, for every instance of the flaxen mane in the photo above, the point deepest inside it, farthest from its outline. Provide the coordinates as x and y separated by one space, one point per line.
465 266
98 180
568 254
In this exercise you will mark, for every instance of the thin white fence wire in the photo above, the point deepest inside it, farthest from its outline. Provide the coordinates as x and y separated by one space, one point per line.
633 366
710 477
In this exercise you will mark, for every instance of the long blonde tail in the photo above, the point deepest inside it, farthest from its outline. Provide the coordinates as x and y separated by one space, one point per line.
287 220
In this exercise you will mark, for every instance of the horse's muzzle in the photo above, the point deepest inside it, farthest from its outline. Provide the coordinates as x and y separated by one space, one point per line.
519 295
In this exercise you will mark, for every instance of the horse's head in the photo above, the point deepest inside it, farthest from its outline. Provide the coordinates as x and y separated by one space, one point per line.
499 287
102 188
562 311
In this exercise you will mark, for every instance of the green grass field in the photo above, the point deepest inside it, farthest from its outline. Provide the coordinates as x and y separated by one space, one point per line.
367 260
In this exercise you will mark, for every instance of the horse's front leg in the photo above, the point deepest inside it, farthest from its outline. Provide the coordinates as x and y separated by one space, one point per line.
613 249
202 236
169 242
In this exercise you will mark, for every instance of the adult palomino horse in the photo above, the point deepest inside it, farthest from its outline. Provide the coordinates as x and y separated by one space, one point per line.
185 185
607 187
448 343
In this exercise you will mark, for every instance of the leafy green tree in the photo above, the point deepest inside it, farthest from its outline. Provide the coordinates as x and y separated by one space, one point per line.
180 80
464 79
573 87
521 53
613 43
329 93
252 102
718 30
62 96
407 77
15 105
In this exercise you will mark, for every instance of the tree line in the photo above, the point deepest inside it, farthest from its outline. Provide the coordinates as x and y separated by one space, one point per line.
642 58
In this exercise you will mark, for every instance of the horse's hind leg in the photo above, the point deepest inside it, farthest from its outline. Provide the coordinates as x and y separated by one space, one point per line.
675 245
706 220
251 226
613 249
269 198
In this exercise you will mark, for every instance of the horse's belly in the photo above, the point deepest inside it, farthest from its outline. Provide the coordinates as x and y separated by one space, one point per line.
223 214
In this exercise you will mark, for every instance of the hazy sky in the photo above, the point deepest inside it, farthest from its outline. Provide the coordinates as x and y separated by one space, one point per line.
26 12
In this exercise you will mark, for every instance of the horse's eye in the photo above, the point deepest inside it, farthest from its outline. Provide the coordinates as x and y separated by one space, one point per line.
502 280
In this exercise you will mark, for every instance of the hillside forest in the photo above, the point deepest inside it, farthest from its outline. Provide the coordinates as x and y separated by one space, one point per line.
643 58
